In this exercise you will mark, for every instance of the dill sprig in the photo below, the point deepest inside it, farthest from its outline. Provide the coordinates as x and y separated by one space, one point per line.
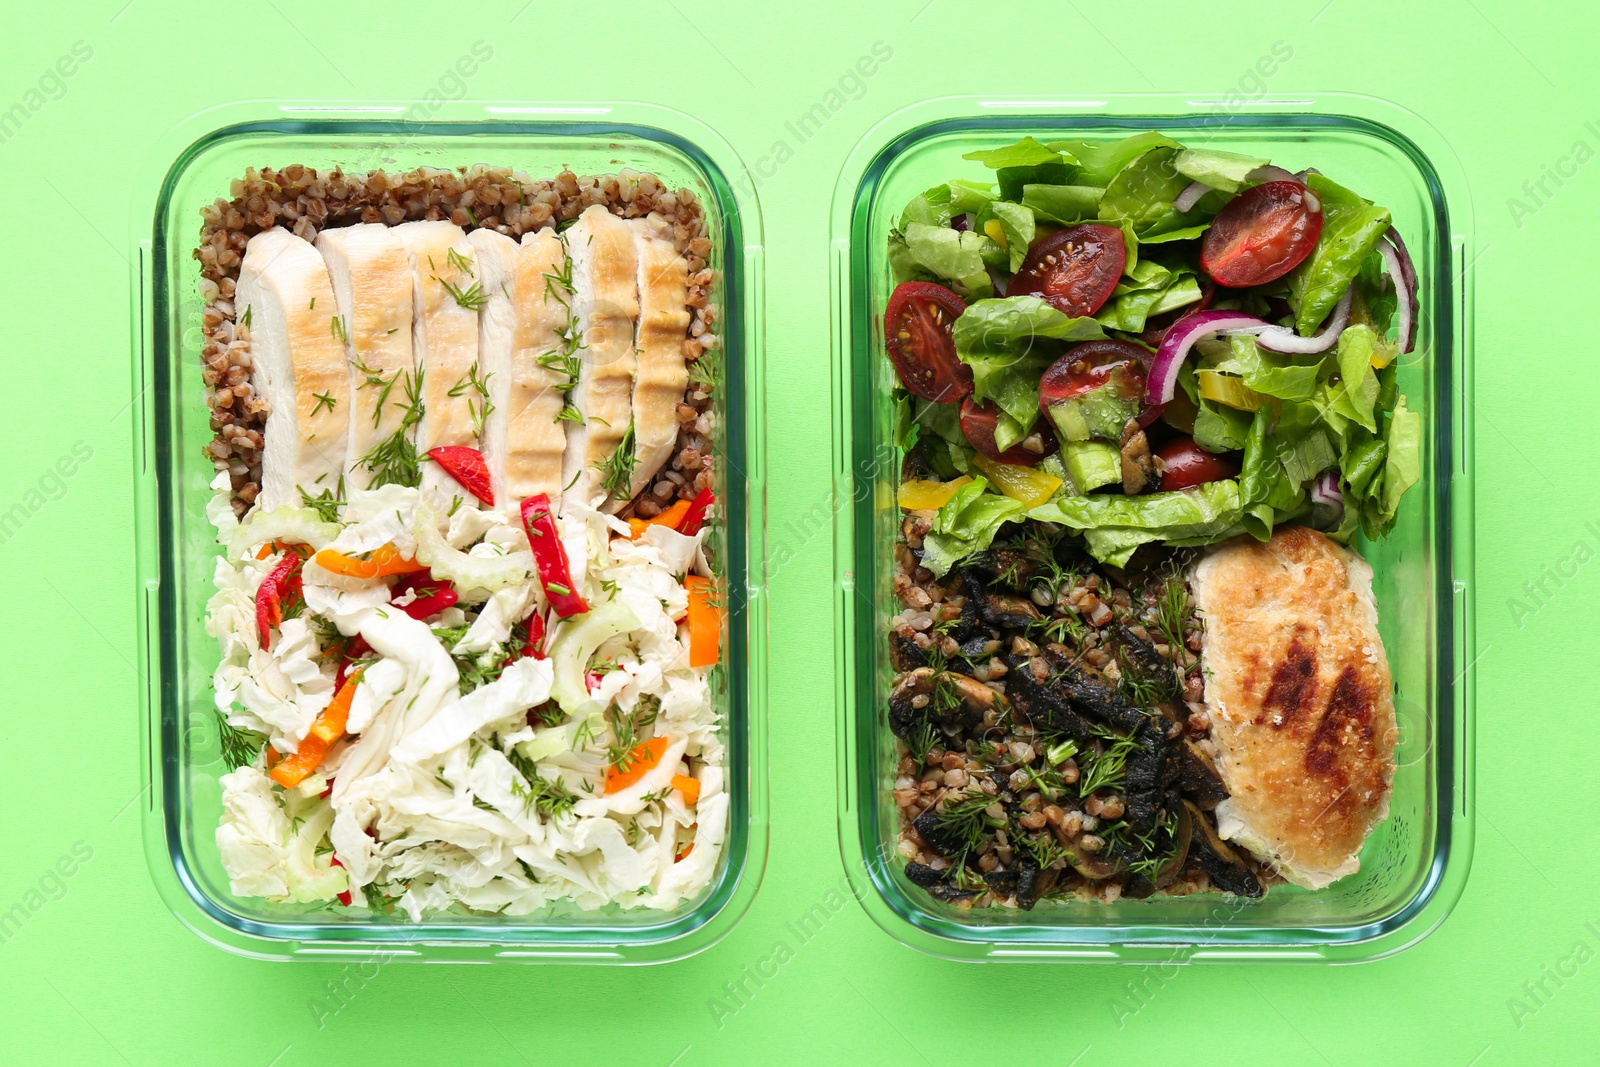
617 471
394 460
337 327
377 381
565 360
1104 769
560 280
1172 612
472 298
626 729
460 262
966 819
239 746
703 371
548 796
324 400
479 408
922 740
326 504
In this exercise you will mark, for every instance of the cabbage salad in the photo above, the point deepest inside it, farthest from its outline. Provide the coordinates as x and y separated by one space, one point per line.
427 706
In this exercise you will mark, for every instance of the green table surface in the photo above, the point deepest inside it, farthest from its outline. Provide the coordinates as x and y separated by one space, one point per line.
104 974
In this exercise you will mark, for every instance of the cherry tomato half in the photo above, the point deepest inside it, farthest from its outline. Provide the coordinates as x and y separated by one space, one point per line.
1185 464
1262 234
1091 365
916 329
1074 270
978 422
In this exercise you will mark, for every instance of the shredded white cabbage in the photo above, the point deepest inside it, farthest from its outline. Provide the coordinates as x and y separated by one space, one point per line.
469 777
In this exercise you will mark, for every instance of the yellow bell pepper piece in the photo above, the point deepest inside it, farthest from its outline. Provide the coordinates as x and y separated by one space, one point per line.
1029 485
918 495
996 232
1230 390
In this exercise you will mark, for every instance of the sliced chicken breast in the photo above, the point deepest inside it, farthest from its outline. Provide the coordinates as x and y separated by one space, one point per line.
606 302
533 440
286 298
372 286
661 374
1300 699
447 296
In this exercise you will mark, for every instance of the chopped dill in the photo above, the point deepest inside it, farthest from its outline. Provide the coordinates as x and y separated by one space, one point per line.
374 380
548 796
337 327
966 819
460 262
561 279
570 414
324 400
479 408
239 746
617 471
703 371
922 740
394 460
473 298
625 729
1106 769
246 319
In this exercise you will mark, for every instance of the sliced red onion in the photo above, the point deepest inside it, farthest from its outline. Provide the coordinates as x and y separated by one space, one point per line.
1162 383
961 223
1327 500
1284 340
1186 200
1397 262
997 279
1301 176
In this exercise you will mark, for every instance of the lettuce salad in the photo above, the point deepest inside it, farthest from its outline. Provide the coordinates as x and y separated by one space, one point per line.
1146 342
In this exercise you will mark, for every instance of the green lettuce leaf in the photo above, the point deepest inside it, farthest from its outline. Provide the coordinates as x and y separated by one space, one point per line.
1066 204
1268 372
1356 391
1114 526
1142 193
1013 180
939 205
966 524
1403 466
1000 339
1220 170
950 255
1149 288
1100 161
1016 222
1024 153
1351 228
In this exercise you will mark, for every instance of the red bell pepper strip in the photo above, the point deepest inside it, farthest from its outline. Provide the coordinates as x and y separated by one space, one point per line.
466 466
433 594
533 647
696 515
275 589
555 572
353 650
344 898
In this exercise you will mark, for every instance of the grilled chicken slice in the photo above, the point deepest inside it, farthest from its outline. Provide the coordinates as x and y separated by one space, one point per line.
661 375
524 439
1300 699
372 286
606 302
447 294
285 295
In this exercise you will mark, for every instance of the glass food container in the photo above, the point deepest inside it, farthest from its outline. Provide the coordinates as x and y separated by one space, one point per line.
1415 864
181 803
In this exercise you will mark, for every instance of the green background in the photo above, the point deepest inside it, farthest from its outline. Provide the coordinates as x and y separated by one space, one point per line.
105 974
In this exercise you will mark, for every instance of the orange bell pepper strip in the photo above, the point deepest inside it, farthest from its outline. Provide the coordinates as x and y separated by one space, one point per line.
327 729
705 622
641 758
383 560
689 787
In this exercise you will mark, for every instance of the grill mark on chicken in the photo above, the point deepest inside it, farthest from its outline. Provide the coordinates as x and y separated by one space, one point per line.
1346 722
1292 693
